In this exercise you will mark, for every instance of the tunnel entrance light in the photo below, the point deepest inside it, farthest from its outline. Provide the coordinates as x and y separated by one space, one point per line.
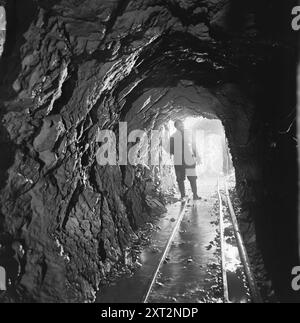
190 122
209 138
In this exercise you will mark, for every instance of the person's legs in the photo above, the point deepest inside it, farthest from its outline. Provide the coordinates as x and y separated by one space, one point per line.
192 177
181 187
193 181
180 175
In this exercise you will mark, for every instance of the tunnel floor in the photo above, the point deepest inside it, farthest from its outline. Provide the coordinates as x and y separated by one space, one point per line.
192 272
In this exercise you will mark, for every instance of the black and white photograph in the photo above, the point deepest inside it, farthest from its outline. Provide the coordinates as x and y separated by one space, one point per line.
149 154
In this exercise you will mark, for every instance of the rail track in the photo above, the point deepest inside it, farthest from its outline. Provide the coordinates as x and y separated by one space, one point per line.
225 210
225 201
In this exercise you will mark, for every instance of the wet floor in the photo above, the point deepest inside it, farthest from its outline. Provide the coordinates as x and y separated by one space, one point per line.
132 288
192 269
192 272
238 289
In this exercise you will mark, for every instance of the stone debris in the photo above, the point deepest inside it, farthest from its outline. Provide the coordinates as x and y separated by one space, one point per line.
160 284
77 67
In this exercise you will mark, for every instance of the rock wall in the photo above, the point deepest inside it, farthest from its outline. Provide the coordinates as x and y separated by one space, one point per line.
70 68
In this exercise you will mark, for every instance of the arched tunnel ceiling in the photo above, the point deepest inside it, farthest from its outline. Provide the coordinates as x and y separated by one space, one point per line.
152 38
79 54
159 105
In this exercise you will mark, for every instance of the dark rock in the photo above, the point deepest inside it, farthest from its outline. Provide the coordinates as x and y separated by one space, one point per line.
71 68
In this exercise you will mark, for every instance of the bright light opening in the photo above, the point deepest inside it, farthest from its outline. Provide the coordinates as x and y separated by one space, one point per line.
190 122
211 144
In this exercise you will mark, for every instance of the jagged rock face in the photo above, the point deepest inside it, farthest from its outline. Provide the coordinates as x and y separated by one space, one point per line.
71 68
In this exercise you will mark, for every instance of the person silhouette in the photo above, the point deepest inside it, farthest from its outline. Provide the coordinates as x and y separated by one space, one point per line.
184 152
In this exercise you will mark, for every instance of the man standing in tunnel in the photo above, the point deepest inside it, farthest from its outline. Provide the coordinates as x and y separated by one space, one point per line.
184 151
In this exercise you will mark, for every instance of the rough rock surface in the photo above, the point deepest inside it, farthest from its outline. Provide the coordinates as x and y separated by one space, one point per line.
70 68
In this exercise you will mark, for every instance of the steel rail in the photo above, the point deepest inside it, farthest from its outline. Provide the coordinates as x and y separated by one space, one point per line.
166 250
223 259
255 294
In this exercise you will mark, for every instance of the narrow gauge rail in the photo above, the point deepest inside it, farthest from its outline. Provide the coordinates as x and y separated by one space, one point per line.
223 195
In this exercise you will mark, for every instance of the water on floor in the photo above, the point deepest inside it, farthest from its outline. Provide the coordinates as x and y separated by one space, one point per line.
132 288
192 271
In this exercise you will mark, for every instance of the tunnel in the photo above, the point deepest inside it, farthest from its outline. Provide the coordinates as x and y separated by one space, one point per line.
70 69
